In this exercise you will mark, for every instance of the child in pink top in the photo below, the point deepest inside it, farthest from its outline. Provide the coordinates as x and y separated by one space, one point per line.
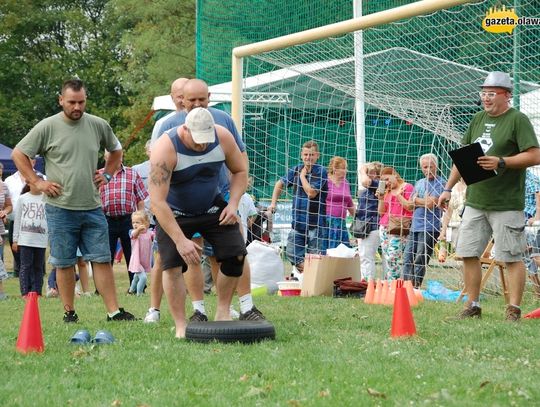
393 205
338 203
141 251
395 200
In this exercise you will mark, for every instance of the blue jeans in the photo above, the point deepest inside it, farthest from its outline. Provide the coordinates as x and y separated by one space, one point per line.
533 250
337 232
69 229
119 229
16 255
138 283
311 241
32 269
418 251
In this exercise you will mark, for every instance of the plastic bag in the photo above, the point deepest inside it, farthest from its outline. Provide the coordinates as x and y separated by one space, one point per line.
342 251
436 291
266 265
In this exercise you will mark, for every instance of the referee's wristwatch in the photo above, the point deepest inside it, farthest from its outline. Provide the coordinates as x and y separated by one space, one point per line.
502 163
107 176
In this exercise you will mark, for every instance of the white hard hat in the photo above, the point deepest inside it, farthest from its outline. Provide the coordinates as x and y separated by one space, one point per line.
498 79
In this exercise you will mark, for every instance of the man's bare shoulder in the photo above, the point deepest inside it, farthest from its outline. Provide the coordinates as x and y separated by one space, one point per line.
223 134
162 145
163 154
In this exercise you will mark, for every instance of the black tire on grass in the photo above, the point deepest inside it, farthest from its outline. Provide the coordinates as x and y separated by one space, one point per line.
230 331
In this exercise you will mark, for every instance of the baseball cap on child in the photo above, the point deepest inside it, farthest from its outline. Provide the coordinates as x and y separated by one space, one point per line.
201 125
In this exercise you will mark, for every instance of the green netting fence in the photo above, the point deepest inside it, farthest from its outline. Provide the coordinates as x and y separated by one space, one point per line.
437 59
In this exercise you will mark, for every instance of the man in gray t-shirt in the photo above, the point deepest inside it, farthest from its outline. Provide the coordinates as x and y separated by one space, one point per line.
70 142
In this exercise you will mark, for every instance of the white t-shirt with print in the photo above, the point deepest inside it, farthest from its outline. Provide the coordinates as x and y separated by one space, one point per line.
246 208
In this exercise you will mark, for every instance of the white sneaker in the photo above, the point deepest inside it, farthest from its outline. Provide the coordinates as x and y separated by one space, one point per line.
52 293
234 313
152 316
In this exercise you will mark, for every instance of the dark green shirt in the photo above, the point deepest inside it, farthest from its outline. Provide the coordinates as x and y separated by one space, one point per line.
502 136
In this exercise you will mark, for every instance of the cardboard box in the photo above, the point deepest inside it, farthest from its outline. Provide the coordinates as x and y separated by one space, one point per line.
321 271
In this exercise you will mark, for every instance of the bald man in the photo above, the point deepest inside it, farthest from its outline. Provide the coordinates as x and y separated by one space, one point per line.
156 285
177 96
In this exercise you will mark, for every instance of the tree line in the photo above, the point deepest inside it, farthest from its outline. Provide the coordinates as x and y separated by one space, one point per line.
126 51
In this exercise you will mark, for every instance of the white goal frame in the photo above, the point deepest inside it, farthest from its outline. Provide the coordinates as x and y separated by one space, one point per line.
331 30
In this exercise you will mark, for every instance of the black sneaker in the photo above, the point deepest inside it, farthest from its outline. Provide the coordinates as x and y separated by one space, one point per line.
252 315
198 316
123 315
471 312
70 316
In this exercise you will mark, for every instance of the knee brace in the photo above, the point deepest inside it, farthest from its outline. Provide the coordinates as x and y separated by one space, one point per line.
232 266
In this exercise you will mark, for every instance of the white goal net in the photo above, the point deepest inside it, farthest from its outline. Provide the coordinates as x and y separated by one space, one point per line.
389 93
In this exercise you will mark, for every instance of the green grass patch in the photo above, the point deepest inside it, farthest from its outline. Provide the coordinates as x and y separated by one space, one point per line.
327 352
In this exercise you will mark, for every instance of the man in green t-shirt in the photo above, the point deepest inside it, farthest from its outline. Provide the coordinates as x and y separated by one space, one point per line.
494 207
70 142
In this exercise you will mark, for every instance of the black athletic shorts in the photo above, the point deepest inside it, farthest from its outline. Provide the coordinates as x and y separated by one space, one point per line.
227 240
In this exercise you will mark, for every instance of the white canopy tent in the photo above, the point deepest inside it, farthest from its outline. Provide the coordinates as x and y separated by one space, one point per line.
261 89
221 93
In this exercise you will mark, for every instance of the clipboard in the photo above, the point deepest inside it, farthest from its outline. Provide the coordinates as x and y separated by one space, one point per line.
465 158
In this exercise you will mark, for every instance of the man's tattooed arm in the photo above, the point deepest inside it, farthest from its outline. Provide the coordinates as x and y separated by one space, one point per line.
159 173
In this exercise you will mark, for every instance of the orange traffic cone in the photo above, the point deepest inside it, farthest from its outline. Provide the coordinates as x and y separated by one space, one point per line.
402 320
533 314
389 300
378 292
370 293
384 292
413 301
30 334
418 294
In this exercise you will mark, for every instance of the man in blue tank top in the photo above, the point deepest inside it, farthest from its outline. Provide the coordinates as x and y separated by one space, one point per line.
185 198
196 94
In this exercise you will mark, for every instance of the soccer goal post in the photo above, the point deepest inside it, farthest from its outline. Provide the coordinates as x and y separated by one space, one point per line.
332 30
388 86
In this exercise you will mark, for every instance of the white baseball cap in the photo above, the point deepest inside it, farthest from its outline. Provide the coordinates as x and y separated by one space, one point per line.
201 125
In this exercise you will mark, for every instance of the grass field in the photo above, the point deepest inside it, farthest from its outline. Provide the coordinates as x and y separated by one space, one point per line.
328 352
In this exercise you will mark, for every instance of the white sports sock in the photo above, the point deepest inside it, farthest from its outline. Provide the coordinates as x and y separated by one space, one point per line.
199 306
112 314
475 304
246 303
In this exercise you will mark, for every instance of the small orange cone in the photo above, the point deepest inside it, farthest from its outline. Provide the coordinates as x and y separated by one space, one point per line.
30 334
391 295
418 294
402 320
410 293
533 314
370 293
384 292
378 292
